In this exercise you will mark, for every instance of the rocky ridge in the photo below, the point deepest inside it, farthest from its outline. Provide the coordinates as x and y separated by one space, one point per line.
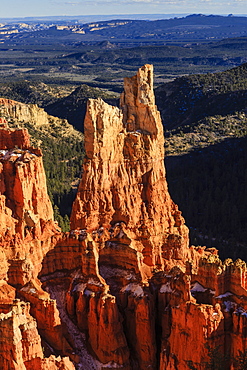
23 112
123 289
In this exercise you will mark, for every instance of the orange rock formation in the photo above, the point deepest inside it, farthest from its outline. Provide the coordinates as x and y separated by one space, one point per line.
124 181
20 347
27 231
123 289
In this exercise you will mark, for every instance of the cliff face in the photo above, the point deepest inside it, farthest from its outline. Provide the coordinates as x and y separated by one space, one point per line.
123 289
23 112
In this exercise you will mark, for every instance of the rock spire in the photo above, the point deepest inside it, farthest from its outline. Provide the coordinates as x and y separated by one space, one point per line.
123 179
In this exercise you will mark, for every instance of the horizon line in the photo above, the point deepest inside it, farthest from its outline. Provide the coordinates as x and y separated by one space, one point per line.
123 14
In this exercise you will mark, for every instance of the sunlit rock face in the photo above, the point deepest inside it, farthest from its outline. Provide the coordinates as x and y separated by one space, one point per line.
23 112
124 206
27 233
123 179
26 214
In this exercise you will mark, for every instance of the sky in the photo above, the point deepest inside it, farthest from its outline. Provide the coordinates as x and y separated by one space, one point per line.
35 8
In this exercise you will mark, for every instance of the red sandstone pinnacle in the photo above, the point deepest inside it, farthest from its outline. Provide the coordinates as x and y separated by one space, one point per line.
123 202
123 177
26 233
24 201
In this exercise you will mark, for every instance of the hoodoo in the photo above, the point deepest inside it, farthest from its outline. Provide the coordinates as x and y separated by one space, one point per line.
123 188
123 289
27 233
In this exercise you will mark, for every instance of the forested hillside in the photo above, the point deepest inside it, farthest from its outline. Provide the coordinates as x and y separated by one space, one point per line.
191 98
210 187
205 119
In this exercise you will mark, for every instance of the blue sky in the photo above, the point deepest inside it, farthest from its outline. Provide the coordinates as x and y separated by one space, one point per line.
26 8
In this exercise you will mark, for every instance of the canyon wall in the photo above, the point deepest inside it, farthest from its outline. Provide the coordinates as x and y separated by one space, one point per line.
123 289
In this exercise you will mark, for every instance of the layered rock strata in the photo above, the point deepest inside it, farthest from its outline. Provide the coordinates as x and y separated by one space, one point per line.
23 182
123 289
23 112
26 215
27 233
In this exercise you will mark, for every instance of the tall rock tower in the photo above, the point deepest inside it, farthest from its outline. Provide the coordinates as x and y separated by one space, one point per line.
123 181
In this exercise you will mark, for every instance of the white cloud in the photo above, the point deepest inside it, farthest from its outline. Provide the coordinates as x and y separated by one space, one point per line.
71 3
